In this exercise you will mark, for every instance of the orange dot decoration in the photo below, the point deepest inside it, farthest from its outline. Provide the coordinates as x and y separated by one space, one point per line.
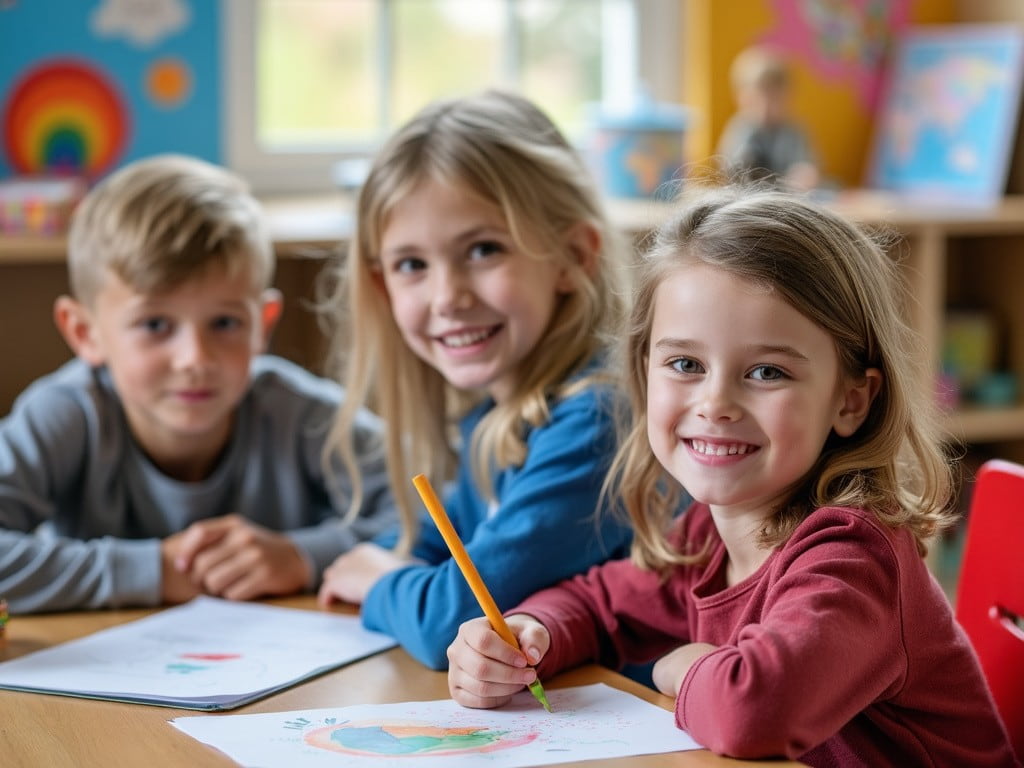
64 116
168 82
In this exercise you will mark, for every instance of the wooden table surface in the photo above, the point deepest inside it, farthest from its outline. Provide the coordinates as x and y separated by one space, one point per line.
56 731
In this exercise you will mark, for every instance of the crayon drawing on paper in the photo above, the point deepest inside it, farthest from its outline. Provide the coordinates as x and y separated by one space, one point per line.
393 738
587 722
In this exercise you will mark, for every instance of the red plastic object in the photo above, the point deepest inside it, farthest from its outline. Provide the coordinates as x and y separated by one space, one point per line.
990 598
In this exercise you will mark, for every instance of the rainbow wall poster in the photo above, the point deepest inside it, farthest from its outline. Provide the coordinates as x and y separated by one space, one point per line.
64 116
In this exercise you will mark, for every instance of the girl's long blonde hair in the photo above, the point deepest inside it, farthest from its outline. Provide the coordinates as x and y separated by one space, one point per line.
840 278
504 150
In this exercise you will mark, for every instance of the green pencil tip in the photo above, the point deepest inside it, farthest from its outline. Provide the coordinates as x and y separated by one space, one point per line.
538 693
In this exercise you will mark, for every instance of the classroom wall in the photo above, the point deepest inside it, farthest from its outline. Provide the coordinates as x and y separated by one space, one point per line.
836 63
166 72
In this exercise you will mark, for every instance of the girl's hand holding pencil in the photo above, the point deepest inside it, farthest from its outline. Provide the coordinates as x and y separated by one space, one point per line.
484 671
494 619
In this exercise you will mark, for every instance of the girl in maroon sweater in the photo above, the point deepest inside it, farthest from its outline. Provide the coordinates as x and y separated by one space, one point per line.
790 609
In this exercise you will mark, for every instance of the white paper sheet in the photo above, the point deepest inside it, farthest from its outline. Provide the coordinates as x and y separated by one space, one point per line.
588 722
205 654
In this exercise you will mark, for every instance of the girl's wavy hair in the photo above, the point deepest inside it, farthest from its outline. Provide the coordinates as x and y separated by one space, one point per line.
502 149
841 278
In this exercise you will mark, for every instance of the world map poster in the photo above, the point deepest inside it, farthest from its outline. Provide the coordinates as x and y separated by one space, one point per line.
949 116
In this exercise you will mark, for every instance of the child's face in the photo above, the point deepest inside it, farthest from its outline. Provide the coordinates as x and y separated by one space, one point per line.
763 105
465 299
743 390
180 359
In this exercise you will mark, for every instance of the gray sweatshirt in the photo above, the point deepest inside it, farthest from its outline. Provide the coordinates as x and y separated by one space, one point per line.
83 510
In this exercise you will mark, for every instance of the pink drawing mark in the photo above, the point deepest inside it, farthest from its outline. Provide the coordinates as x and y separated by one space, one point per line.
211 656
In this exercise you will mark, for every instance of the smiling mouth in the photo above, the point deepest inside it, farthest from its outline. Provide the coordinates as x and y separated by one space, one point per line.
196 394
721 449
468 338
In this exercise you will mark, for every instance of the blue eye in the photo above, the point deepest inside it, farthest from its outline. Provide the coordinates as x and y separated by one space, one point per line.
408 265
767 373
227 323
686 365
484 249
155 325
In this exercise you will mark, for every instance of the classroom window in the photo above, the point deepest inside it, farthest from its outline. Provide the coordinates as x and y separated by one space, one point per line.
312 82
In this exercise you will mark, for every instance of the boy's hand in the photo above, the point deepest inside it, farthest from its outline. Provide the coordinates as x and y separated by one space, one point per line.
670 669
484 671
351 576
175 586
234 558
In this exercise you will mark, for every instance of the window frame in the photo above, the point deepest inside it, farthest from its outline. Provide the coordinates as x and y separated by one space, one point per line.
656 66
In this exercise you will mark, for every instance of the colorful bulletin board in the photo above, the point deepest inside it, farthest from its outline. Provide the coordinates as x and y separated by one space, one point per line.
946 129
89 85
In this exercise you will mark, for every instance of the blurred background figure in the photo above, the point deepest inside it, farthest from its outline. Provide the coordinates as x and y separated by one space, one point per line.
761 141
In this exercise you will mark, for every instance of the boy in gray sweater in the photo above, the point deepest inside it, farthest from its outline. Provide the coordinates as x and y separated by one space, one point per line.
171 458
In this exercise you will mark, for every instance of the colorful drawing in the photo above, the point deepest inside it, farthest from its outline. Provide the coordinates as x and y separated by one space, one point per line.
188 667
411 739
64 116
587 723
146 61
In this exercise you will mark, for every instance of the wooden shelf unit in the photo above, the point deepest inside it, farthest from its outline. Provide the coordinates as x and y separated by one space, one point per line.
973 259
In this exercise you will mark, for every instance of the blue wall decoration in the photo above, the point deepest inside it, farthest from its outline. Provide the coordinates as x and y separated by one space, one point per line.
89 85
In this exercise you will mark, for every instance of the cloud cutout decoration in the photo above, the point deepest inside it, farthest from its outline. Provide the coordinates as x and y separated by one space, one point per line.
143 23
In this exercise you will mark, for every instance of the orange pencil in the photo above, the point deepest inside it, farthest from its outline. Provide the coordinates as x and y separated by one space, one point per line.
483 596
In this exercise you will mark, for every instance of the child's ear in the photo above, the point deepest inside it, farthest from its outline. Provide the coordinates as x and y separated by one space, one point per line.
271 307
76 324
583 245
377 280
856 404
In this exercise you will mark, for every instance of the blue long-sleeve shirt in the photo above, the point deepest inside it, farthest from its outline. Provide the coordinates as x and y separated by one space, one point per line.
545 527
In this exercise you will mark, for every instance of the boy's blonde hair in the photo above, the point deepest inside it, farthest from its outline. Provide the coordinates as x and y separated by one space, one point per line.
842 280
502 149
759 67
163 220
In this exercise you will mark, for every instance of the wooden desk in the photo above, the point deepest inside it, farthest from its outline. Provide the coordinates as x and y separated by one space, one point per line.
57 731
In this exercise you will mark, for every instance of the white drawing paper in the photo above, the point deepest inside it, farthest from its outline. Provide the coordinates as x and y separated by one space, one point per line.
588 722
206 654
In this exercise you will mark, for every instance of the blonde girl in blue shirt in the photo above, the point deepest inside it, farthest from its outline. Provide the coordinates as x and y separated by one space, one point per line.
481 284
